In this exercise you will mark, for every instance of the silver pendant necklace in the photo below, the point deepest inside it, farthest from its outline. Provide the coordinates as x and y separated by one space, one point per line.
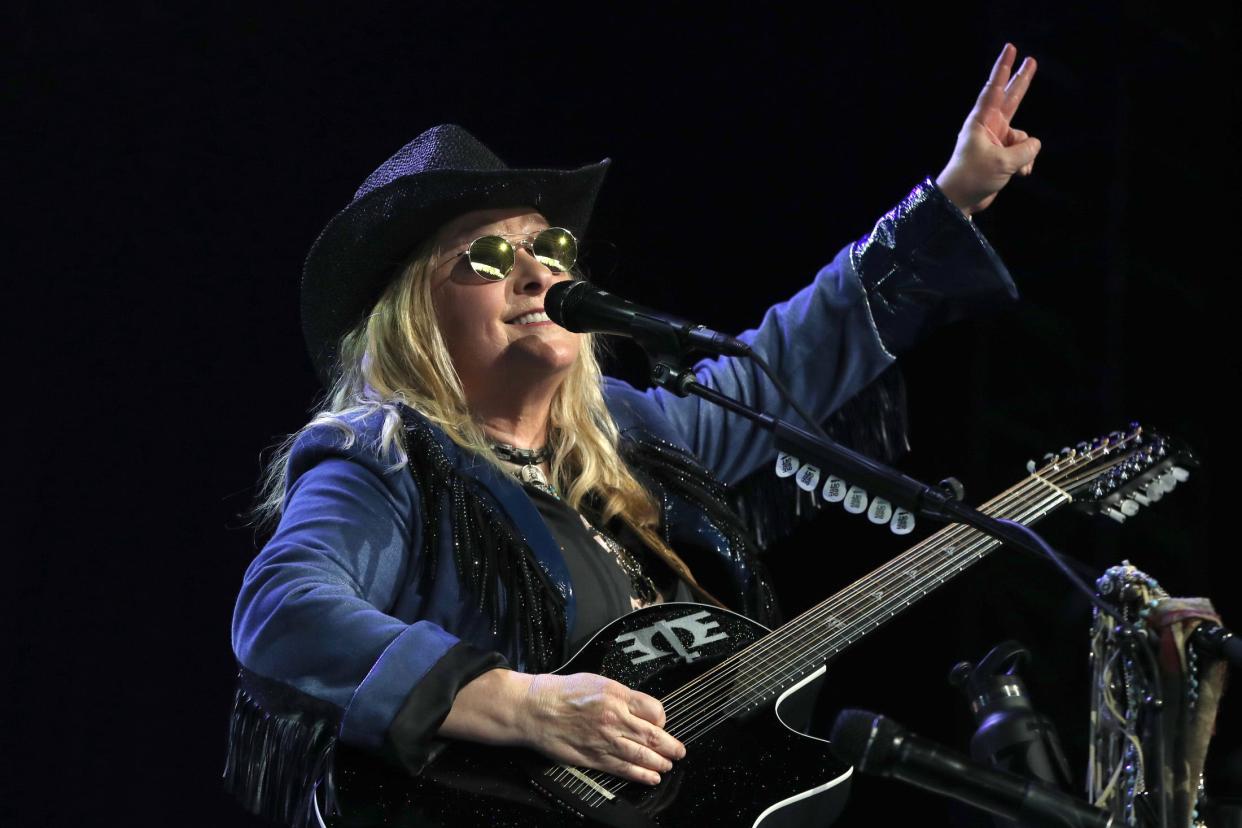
529 473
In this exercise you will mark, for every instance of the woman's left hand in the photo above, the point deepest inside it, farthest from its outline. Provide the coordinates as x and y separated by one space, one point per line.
989 151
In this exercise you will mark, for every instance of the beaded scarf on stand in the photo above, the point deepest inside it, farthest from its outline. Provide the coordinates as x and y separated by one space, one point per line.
1154 702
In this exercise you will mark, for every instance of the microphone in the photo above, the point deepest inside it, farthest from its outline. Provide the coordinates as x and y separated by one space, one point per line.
583 308
880 746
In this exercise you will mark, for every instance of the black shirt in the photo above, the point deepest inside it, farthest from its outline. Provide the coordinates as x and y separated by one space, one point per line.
602 589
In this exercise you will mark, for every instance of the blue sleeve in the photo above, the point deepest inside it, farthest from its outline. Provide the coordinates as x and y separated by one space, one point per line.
313 611
923 264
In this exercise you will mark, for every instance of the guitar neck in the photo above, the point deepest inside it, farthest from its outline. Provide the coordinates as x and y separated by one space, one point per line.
786 656
838 622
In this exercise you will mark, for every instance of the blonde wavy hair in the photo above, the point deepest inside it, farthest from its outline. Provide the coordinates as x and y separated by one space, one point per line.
396 355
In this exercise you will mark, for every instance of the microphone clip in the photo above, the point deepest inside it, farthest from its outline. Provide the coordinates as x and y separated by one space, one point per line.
672 377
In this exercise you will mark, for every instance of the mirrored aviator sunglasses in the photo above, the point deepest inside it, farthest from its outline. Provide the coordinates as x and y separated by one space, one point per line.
493 257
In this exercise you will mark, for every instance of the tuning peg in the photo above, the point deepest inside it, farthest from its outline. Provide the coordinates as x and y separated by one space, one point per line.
1154 491
1168 482
1129 508
1182 475
855 501
1115 515
1031 467
1067 452
834 489
1144 499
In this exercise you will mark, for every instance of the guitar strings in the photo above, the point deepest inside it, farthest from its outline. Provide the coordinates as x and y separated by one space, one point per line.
877 583
697 696
736 692
877 578
751 689
976 549
797 632
962 542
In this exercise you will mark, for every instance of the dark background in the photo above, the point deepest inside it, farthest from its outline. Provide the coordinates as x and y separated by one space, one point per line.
169 165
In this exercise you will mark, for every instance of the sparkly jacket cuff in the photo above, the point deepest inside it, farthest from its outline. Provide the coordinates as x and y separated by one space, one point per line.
924 265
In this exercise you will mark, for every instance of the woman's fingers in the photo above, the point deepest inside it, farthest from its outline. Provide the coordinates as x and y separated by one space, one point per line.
1017 86
647 726
632 748
589 720
630 753
629 770
1022 154
646 707
656 739
994 90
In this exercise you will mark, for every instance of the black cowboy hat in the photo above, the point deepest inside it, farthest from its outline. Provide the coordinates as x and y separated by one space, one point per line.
439 175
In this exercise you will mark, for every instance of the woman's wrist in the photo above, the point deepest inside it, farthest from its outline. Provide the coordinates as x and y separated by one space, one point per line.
946 185
489 708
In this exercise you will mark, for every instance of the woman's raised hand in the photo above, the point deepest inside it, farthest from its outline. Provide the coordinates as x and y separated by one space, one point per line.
989 151
591 721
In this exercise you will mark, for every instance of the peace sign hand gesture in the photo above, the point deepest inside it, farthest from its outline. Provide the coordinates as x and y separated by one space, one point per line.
989 151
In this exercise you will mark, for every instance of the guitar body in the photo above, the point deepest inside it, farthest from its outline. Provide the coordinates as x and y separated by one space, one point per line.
751 769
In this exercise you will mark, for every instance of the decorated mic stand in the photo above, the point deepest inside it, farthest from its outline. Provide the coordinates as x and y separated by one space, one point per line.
1157 675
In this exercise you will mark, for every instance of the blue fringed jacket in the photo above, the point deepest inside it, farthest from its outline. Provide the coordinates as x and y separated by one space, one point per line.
372 605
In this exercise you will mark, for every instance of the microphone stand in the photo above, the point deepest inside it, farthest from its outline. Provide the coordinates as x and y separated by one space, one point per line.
929 501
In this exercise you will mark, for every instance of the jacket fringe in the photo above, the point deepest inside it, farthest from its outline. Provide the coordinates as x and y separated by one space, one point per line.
275 762
498 566
678 473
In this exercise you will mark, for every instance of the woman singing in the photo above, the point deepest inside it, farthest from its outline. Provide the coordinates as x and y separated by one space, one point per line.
473 499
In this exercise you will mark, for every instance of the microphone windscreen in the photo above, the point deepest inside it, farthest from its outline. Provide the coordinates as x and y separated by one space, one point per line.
557 301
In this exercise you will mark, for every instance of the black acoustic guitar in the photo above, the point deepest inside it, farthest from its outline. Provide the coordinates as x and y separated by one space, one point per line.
724 681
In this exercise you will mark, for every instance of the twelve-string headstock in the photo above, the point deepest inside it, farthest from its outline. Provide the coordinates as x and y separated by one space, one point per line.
1117 474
